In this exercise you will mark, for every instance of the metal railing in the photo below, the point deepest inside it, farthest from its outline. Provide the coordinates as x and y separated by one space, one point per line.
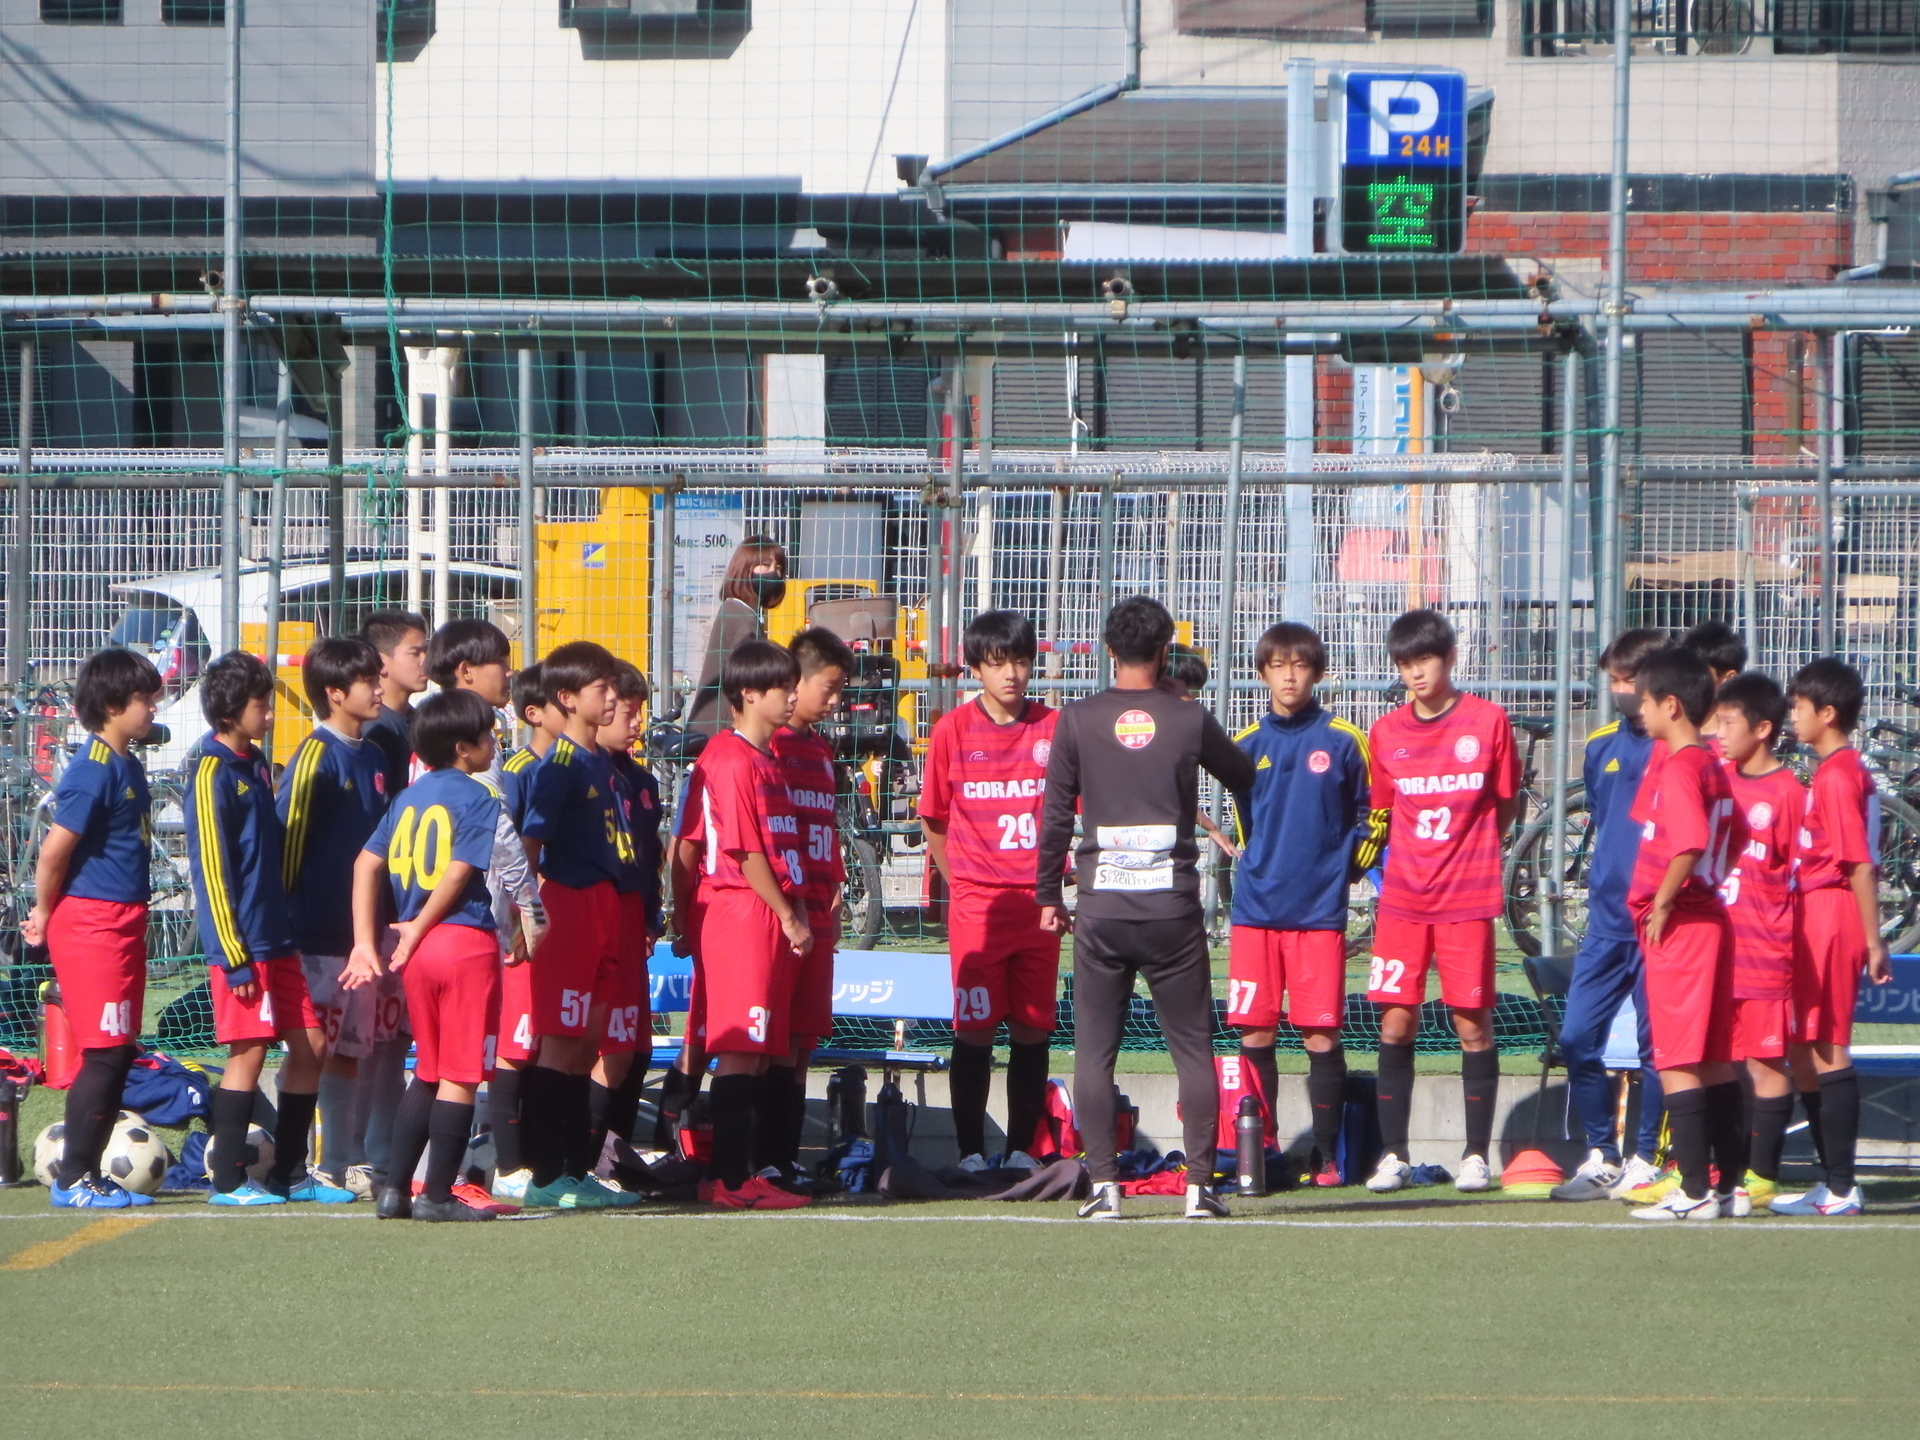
1725 27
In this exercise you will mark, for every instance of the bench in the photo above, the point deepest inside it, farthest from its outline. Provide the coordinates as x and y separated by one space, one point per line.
899 986
1895 1003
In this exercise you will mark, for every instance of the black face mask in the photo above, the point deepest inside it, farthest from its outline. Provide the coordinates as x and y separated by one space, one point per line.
769 590
1627 706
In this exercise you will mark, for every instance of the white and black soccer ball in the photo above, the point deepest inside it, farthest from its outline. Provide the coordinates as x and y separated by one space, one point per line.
49 1148
259 1158
481 1160
135 1158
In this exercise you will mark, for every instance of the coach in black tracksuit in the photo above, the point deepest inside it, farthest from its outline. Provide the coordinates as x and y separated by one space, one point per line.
1130 756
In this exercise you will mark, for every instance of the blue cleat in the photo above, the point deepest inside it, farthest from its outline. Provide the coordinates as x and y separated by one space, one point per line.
250 1193
90 1192
312 1189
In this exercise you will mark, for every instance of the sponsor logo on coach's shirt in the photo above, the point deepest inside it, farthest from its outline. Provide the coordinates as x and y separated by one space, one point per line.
1134 729
1439 784
1318 762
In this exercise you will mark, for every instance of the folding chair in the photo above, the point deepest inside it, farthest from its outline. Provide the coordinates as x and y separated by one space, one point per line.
1549 976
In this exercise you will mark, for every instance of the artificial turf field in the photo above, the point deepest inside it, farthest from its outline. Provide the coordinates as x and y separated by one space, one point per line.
1332 1313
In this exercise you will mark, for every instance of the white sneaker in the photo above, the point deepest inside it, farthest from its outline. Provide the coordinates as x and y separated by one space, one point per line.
1105 1202
1637 1172
973 1164
1678 1207
1595 1180
512 1185
1739 1204
1475 1175
359 1179
1389 1175
1821 1201
1019 1160
1204 1203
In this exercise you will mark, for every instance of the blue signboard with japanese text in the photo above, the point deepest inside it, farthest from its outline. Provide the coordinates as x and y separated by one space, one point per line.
1403 162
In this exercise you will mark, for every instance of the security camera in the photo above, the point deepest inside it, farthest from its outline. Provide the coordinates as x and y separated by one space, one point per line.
821 289
1117 290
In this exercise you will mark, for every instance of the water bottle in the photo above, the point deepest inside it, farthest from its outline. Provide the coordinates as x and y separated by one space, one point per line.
853 1102
1125 1120
9 1134
1250 1147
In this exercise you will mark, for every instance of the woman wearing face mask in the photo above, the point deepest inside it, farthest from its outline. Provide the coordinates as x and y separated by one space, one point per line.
756 582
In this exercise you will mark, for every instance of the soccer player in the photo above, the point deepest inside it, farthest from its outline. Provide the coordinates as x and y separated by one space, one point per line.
1720 645
1446 775
576 838
753 933
1186 677
1308 829
333 792
1130 757
813 781
1689 833
980 805
1752 715
1836 931
90 911
259 992
434 847
1607 968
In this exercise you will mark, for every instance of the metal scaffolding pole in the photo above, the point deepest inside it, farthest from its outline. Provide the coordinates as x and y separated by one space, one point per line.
1554 873
1823 450
1056 576
277 515
1109 502
529 614
232 303
1606 584
1302 163
20 556
664 561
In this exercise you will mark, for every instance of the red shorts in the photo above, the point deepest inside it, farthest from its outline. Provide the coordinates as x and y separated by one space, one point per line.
1309 965
810 1015
743 971
516 1041
1403 949
1761 1029
99 953
453 1003
1690 990
280 1004
1005 967
580 961
628 1024
1829 952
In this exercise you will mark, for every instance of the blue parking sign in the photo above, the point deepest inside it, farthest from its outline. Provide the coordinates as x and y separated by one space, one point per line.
1403 171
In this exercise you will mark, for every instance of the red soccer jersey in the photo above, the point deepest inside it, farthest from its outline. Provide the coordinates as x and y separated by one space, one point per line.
807 762
987 783
742 795
1759 892
1685 803
1443 779
1841 824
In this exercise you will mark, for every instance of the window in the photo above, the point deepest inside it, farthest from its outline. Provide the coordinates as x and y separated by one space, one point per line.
1727 27
1336 19
403 24
80 12
193 12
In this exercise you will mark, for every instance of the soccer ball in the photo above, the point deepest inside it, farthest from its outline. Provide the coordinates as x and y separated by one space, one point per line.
259 1156
481 1160
135 1159
49 1148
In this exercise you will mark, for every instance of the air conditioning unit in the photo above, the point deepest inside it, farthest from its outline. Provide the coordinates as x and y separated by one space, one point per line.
651 14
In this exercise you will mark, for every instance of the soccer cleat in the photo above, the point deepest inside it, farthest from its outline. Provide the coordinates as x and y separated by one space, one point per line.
392 1202
567 1193
757 1194
1821 1201
1475 1175
475 1197
250 1193
1676 1206
1651 1191
1389 1175
618 1197
1203 1203
1019 1160
973 1164
1738 1204
90 1192
311 1188
1328 1176
359 1179
451 1209
1595 1180
1104 1203
512 1185
1762 1190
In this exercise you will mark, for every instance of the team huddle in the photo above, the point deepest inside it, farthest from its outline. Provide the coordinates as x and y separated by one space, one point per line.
408 888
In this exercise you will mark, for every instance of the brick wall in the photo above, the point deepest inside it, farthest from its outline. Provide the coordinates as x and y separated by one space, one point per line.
1714 248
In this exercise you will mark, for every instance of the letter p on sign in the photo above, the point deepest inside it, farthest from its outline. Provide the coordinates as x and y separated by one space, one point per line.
1397 107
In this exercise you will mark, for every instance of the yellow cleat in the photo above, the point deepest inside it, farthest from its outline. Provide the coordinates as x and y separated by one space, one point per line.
1762 1190
1656 1189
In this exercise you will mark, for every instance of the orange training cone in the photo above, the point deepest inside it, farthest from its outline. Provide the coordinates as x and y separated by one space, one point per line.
1530 1175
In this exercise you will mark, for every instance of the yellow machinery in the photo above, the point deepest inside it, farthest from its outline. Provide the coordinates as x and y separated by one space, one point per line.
594 578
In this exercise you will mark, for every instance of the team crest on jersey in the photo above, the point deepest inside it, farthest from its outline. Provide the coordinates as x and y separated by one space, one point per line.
1466 749
1760 816
1041 750
380 784
646 800
1319 761
1134 729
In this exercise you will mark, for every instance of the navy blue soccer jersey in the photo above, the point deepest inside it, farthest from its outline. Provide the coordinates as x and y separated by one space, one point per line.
1616 760
639 795
443 817
332 795
516 784
102 798
234 853
574 814
392 734
1305 822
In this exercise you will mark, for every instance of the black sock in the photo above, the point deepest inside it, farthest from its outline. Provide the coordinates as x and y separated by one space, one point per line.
1479 1090
1816 1126
577 1129
1767 1133
412 1124
231 1114
623 1104
1395 1091
772 1103
967 1081
290 1134
93 1103
503 1118
1727 1133
449 1123
1327 1096
732 1108
1687 1119
599 1106
1840 1114
675 1091
1026 1093
543 1103
1259 1059
795 1126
